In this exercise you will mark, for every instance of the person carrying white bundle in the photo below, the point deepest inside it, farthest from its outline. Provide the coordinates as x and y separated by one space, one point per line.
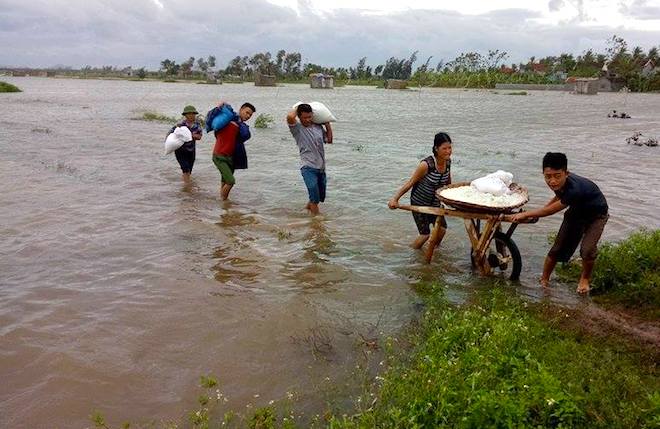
320 113
310 138
181 141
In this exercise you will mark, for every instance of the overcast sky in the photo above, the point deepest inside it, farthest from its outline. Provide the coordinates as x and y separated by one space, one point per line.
44 33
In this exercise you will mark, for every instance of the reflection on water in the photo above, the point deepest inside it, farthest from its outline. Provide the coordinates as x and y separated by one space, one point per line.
116 274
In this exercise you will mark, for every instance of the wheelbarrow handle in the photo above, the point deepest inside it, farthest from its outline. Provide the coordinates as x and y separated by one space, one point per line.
507 218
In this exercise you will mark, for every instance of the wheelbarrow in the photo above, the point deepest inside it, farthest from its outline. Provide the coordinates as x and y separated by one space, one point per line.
493 251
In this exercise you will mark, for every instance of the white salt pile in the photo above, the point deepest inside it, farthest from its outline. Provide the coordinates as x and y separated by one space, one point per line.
491 191
468 194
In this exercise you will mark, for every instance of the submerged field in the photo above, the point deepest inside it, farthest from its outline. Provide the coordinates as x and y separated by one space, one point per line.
121 285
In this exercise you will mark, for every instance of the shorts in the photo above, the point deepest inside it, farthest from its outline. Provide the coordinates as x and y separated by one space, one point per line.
316 181
186 158
225 166
573 230
425 220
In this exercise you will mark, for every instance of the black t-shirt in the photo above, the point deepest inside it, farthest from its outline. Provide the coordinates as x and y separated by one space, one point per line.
583 197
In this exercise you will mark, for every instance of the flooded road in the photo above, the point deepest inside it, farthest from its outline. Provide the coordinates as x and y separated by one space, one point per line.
119 286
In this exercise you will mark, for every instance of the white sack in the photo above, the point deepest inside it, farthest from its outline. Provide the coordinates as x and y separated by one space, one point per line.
504 176
320 113
176 139
490 185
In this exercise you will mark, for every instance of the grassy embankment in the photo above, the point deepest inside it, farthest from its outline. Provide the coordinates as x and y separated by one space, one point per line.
8 87
495 362
626 274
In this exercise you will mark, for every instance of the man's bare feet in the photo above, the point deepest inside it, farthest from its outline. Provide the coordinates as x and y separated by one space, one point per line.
313 208
583 287
544 282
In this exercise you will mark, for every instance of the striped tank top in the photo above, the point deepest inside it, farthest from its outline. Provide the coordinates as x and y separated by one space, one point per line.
423 192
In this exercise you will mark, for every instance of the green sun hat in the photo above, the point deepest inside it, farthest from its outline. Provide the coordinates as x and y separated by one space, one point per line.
190 109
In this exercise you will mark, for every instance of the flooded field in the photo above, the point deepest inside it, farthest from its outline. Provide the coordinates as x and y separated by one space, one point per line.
119 286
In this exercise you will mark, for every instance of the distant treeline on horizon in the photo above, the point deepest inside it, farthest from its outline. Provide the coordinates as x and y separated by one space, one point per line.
635 68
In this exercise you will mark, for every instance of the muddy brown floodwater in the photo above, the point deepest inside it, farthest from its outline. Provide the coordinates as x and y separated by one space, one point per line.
119 287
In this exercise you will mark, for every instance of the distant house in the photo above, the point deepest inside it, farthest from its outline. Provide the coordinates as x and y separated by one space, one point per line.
538 68
649 69
506 70
212 78
320 80
610 81
264 79
127 72
558 76
586 85
396 84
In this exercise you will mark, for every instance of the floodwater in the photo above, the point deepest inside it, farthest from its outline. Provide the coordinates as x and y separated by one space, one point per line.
119 286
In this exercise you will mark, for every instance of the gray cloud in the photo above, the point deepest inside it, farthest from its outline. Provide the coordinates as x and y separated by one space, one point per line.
555 5
640 9
139 33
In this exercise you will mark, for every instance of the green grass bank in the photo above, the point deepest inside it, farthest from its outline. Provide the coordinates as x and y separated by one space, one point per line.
626 274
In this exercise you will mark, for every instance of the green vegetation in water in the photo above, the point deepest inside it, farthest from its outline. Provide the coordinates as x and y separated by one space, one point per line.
8 87
493 363
155 116
516 93
283 234
170 80
264 120
359 148
626 273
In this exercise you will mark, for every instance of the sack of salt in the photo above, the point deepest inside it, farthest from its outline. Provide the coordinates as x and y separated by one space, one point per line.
490 185
504 176
176 139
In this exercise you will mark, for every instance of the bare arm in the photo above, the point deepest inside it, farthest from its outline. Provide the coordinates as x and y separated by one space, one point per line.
291 118
417 175
554 199
328 133
549 209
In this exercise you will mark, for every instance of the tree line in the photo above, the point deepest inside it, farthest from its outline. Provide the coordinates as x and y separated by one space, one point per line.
618 59
637 68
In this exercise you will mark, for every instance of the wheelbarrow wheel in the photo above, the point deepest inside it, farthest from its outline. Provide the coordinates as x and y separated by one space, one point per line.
503 256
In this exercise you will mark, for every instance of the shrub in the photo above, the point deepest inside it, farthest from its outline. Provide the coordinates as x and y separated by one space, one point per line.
264 120
8 87
155 116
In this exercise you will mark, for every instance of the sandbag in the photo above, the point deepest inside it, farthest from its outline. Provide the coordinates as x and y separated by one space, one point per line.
176 139
320 113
